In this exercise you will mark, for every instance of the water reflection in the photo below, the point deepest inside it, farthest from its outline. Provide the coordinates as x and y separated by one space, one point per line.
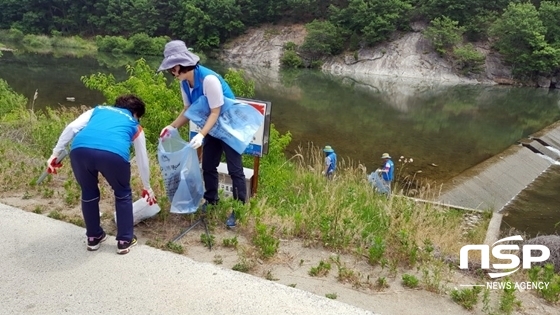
535 210
452 126
57 76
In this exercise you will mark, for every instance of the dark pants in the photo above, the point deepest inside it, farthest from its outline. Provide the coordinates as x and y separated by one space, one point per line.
87 164
211 156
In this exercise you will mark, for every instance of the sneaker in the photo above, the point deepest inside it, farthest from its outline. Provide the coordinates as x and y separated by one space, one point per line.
93 243
123 247
230 222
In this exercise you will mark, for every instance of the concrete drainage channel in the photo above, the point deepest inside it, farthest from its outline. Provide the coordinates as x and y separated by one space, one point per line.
495 182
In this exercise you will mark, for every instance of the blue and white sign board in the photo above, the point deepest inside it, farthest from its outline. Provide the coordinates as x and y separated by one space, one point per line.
225 183
259 145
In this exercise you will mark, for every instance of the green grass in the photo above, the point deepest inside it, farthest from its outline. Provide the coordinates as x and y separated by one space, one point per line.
331 296
321 270
467 298
410 281
174 247
551 293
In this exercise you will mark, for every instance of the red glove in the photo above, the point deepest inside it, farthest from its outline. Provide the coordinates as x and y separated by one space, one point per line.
167 131
52 165
148 194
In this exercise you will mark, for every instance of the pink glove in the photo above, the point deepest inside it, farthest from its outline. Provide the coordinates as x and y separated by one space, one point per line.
52 165
148 194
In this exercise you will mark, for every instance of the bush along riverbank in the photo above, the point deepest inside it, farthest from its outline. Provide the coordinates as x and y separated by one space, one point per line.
138 44
391 238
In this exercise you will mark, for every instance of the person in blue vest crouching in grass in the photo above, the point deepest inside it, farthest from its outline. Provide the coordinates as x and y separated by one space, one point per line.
196 81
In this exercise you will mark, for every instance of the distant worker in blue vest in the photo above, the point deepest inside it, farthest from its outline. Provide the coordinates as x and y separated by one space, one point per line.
387 170
195 81
101 140
330 162
382 177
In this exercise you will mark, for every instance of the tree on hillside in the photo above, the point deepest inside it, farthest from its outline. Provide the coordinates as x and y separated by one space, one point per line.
444 33
126 17
475 15
520 37
375 20
549 13
322 39
255 12
207 23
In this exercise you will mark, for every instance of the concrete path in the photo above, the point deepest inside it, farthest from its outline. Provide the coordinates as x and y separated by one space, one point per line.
46 269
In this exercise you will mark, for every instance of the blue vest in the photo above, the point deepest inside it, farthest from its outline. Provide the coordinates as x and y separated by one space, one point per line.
332 166
200 73
109 129
389 175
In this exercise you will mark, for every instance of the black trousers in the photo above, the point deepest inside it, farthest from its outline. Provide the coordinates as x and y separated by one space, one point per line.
87 164
211 156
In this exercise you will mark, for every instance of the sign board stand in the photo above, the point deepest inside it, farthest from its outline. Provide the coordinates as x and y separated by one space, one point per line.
255 179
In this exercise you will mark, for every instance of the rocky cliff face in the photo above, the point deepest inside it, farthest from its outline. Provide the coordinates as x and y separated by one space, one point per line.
262 46
408 56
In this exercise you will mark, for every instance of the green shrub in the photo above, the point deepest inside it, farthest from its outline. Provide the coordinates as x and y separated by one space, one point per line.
290 59
242 87
141 44
546 274
323 39
410 281
316 64
290 46
376 250
467 298
508 301
444 33
265 240
36 41
468 59
320 270
158 44
15 35
71 42
110 43
9 100
354 42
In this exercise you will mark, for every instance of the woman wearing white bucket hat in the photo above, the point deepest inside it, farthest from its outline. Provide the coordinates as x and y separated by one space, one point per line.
196 81
387 170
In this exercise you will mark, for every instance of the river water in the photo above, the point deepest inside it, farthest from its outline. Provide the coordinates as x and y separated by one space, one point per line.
446 128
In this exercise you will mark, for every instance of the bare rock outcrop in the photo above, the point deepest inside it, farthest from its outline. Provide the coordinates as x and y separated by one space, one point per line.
262 46
409 55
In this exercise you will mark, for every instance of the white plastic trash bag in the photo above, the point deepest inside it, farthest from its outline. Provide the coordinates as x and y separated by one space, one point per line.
181 174
141 210
237 124
377 182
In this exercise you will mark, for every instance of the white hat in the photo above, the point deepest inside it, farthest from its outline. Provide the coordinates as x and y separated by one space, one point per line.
177 53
